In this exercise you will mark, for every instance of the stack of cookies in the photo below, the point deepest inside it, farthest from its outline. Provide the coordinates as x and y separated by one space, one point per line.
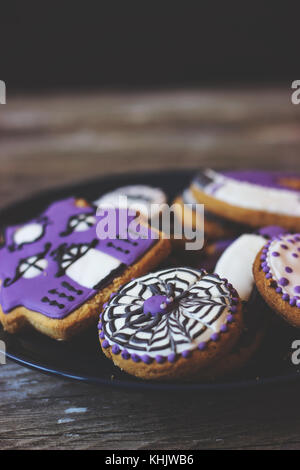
162 315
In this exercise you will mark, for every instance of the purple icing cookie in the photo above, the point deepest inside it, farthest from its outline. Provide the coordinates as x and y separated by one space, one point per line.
56 262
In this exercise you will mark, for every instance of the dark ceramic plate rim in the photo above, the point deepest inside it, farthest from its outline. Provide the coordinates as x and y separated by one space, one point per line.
19 358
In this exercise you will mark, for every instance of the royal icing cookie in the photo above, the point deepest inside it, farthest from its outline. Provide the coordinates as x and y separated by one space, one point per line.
55 267
170 323
251 197
236 262
277 276
216 227
138 197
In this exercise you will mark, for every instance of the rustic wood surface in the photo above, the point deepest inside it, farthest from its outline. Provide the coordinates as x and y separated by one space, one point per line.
57 139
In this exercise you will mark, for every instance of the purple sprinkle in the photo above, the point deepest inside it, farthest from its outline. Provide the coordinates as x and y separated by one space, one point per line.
297 289
202 346
112 295
135 357
263 257
125 354
283 281
290 240
298 303
275 253
293 302
146 359
266 269
99 325
160 359
234 300
102 335
230 318
214 337
297 238
105 305
278 290
172 357
186 354
288 269
295 255
224 328
285 297
268 275
285 247
115 349
233 309
105 344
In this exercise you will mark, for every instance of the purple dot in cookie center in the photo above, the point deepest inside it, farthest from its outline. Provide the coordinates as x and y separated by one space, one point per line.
156 304
297 289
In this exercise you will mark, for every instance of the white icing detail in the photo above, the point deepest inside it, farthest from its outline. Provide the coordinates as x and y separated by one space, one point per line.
252 196
139 197
277 264
35 270
92 267
28 233
236 263
202 311
83 223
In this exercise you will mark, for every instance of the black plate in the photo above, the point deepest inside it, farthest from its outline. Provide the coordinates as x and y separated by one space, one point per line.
81 359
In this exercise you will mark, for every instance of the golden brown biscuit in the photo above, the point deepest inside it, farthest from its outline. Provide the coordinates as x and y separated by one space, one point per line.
56 272
171 324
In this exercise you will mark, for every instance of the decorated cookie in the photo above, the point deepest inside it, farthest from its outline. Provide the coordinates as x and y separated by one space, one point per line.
236 262
256 317
254 198
277 276
215 227
56 272
138 197
170 324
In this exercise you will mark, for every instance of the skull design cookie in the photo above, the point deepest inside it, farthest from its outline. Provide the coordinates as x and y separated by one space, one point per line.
277 276
56 272
170 324
254 198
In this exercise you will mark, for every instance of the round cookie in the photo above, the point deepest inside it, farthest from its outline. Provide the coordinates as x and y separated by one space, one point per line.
215 227
250 197
256 320
277 276
138 197
170 324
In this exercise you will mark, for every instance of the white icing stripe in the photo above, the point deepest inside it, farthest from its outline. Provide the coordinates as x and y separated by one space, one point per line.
236 263
283 260
139 197
252 196
201 311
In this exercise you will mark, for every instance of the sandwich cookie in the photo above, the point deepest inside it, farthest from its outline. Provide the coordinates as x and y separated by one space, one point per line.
170 324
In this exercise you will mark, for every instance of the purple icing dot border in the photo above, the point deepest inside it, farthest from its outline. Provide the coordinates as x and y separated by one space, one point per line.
172 357
266 269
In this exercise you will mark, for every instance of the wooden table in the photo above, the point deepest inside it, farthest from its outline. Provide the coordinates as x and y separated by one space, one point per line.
59 139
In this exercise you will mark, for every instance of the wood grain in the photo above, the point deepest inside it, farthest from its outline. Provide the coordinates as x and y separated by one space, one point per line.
58 139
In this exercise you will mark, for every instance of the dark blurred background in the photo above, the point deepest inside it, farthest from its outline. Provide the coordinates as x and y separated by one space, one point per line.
130 44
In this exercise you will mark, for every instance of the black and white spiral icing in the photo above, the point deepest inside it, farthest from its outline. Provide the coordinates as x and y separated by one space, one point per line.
167 314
